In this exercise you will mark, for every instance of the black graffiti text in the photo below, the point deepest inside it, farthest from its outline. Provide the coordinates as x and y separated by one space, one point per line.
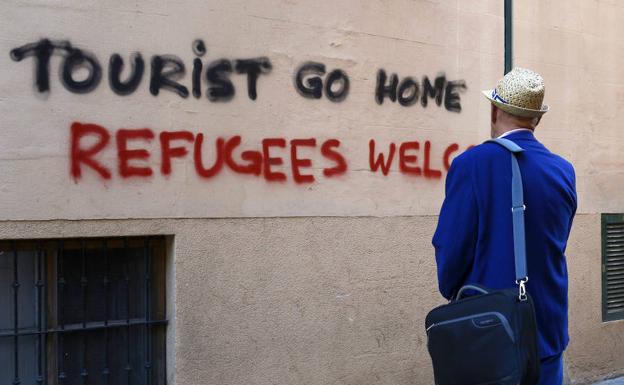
167 72
309 82
409 91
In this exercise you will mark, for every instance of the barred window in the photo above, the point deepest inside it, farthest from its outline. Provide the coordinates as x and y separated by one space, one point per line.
83 311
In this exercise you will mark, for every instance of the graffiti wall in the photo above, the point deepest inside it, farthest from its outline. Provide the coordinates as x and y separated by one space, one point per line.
239 108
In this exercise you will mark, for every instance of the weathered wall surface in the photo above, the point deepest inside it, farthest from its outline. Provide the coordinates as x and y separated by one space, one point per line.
577 47
325 300
312 299
574 44
596 347
450 50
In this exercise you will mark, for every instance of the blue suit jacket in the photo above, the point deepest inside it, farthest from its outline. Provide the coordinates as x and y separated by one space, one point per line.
474 240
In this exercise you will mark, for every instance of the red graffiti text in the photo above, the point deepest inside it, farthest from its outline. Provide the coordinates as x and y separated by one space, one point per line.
133 152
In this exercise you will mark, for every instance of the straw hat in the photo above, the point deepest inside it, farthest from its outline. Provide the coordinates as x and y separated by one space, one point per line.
519 93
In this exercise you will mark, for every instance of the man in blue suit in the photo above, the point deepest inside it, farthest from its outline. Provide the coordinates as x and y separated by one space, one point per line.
474 240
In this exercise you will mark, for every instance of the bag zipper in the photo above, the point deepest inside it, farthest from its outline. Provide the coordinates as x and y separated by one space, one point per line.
498 315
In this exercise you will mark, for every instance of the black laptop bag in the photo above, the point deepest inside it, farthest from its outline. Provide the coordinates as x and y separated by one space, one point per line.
489 338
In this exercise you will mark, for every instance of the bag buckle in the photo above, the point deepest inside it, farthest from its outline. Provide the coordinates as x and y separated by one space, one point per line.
522 295
514 208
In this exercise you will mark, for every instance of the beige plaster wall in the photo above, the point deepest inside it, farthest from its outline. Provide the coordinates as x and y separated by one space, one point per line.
577 45
410 38
325 300
337 292
596 348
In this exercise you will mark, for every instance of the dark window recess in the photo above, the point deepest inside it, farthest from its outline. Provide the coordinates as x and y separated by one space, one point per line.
83 311
612 267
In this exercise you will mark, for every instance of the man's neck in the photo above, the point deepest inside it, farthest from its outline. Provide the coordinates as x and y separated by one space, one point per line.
502 131
512 130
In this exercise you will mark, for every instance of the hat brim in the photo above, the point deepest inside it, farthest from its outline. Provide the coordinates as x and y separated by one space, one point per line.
515 110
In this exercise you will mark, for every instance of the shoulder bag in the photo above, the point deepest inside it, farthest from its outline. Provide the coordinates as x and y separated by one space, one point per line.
491 337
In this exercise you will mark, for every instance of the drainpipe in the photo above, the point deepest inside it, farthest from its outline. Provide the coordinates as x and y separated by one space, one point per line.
508 36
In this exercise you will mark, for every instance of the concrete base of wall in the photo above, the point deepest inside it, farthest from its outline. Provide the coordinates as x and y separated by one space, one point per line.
325 300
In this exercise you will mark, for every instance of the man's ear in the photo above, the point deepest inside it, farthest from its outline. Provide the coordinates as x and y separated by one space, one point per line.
493 114
537 121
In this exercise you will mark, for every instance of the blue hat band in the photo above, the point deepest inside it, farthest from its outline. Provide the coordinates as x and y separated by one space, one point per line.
495 96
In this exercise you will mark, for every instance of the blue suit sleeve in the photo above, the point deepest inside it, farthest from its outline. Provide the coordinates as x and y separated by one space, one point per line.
574 200
455 237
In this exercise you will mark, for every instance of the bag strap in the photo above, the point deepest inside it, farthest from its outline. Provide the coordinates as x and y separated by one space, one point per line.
517 210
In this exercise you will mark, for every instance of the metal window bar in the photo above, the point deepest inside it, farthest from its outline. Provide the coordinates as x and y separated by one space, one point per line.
60 294
84 373
128 367
16 379
148 327
106 370
91 326
41 351
54 334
